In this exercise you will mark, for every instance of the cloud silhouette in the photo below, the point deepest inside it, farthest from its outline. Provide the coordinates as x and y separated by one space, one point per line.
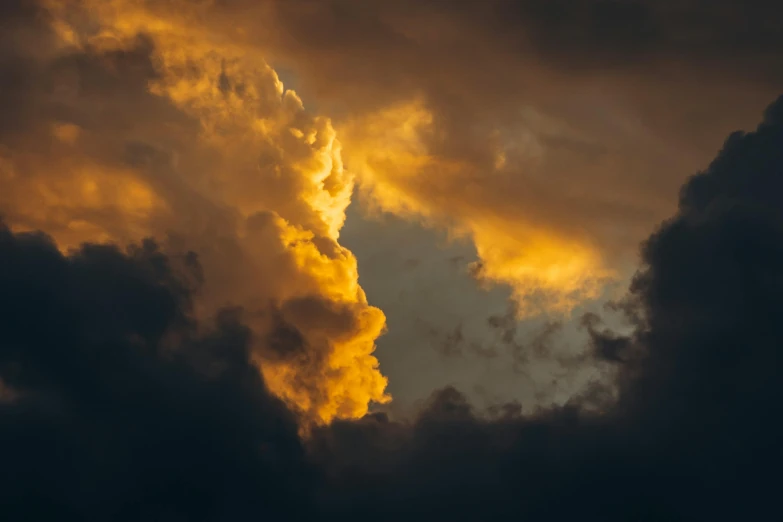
118 405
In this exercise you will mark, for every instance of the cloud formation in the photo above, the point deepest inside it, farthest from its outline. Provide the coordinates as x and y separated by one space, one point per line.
118 403
124 407
552 134
538 130
121 125
691 430
129 391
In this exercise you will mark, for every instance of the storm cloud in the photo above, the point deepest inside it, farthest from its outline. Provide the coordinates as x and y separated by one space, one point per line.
119 405
183 337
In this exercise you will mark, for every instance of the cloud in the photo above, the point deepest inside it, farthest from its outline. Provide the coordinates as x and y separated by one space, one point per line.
124 406
129 391
693 430
470 117
120 404
552 134
123 125
546 269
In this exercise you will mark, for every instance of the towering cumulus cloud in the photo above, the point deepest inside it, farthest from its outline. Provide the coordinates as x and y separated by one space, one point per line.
122 123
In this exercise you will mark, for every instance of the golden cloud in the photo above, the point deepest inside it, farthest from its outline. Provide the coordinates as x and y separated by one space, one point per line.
547 269
164 118
156 130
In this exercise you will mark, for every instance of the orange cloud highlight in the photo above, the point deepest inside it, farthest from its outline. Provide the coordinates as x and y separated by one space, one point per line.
547 269
160 129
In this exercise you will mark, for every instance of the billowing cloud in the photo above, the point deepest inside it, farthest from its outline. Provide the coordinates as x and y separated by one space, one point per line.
530 129
123 406
169 378
690 430
553 134
126 125
120 401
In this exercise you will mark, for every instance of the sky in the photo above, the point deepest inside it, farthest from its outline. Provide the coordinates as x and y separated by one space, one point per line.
374 260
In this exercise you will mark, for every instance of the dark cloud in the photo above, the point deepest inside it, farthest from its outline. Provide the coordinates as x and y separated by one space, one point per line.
124 407
744 36
580 33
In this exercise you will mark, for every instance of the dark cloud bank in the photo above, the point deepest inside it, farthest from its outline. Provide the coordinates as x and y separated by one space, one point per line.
118 405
